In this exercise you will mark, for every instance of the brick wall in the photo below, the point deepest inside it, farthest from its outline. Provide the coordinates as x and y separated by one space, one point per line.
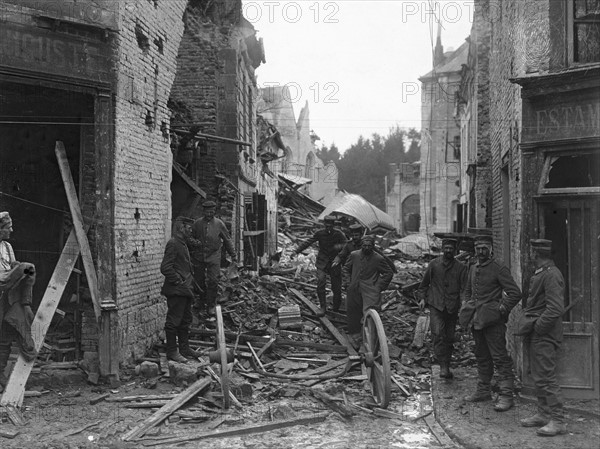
146 50
510 58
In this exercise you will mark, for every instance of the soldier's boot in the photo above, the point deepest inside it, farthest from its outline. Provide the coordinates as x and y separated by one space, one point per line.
482 393
4 356
537 420
323 306
172 350
337 303
553 428
541 417
505 397
183 337
445 372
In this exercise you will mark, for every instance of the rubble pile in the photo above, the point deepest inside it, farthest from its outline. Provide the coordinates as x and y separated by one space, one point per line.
286 361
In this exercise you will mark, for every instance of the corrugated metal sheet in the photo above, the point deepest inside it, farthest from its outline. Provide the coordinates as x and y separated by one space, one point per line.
356 206
298 180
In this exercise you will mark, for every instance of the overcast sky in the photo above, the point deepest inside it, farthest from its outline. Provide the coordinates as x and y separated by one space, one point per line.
356 62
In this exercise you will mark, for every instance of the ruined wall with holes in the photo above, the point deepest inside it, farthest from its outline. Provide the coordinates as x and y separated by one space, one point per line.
146 50
215 93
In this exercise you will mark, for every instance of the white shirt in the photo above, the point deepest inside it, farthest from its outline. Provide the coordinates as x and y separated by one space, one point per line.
7 255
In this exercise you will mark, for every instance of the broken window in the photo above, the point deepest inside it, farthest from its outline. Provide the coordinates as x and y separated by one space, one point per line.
578 171
585 30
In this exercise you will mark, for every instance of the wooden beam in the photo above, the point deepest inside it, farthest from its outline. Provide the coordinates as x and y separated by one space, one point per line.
168 409
243 430
189 181
330 327
15 388
86 253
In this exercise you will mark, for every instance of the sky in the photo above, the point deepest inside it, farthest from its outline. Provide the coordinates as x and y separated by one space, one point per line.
356 62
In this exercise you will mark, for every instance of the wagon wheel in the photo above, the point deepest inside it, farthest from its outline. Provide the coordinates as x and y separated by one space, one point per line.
377 358
222 349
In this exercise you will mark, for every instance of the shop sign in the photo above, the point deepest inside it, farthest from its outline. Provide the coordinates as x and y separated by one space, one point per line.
42 50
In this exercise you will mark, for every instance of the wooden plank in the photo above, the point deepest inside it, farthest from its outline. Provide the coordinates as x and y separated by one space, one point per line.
15 388
244 430
86 253
189 181
330 327
142 397
10 434
421 329
14 415
172 406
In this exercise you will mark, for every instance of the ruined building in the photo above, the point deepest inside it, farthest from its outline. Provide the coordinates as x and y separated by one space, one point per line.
544 139
96 76
402 199
472 114
440 146
300 164
214 99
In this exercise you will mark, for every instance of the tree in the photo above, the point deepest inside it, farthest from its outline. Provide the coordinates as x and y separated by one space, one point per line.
364 166
329 155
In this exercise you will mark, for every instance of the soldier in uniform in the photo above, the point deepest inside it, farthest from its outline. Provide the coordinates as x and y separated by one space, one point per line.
354 244
541 324
331 241
209 234
486 311
369 276
443 289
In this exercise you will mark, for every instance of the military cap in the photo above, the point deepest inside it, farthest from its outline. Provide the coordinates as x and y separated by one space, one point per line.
329 219
185 220
484 239
208 204
368 238
541 244
447 241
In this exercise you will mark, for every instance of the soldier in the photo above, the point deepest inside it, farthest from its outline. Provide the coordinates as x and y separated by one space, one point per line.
356 234
542 327
443 289
331 241
209 234
486 311
176 267
369 276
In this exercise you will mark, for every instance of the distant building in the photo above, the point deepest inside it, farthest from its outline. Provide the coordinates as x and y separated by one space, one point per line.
440 144
275 105
402 199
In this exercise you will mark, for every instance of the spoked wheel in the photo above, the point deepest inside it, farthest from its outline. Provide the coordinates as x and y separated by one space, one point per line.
377 358
222 349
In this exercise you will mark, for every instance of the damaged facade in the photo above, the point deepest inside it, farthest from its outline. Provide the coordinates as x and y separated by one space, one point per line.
402 198
300 161
440 149
544 156
214 102
95 76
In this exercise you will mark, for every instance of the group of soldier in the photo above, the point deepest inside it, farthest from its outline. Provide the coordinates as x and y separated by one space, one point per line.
479 295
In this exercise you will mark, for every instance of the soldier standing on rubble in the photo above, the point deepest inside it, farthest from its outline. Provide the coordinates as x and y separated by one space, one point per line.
208 235
541 324
486 311
369 276
331 241
443 289
354 244
16 285
176 267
